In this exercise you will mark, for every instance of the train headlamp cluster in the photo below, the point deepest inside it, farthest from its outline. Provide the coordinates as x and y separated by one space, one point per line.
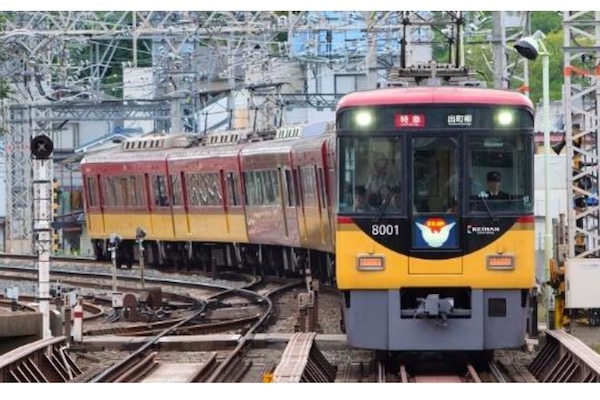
368 262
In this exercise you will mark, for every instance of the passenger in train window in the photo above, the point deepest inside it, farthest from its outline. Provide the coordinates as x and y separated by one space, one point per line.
360 199
386 194
382 175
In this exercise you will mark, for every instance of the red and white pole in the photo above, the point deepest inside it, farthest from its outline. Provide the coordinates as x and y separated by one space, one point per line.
78 323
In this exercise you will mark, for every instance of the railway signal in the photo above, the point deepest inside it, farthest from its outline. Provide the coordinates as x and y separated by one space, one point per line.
41 147
114 242
140 234
41 154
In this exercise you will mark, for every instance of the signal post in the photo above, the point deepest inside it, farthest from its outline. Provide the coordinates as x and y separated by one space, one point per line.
41 153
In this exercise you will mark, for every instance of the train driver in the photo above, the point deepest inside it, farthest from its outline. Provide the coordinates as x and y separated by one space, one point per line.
493 192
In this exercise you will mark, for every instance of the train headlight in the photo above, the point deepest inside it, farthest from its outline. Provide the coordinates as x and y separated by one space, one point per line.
505 118
370 262
363 119
500 261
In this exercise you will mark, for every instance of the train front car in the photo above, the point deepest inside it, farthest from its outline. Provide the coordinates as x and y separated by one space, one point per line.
429 254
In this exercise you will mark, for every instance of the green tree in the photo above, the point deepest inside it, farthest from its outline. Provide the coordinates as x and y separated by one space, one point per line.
546 21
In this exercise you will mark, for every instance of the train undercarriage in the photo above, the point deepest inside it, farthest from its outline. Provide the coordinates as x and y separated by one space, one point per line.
255 259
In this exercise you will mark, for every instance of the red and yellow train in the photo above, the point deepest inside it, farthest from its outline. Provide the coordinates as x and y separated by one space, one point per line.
388 207
265 203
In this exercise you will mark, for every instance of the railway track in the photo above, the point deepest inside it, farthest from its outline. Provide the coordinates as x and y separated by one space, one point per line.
563 359
141 366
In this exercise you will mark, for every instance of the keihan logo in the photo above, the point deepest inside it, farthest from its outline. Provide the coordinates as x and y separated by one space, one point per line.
435 231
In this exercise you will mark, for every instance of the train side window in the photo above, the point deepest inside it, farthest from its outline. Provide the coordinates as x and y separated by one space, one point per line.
272 187
138 187
232 182
133 195
120 191
307 177
291 192
109 192
248 188
209 189
193 193
322 188
177 190
92 190
161 195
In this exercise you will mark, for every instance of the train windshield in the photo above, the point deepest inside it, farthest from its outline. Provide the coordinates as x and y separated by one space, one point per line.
370 171
499 172
435 172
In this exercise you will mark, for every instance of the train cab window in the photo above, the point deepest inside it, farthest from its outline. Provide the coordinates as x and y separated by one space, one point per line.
371 171
177 189
435 172
161 194
499 170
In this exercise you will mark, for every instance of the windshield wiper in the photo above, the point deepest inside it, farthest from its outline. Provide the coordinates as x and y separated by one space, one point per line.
487 207
383 206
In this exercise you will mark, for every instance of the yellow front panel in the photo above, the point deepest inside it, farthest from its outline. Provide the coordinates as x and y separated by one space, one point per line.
418 266
214 227
351 241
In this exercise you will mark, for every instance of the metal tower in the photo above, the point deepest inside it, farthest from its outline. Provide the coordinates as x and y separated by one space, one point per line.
60 65
582 120
581 97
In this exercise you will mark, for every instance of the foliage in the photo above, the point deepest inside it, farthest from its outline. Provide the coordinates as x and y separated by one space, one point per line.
546 21
478 56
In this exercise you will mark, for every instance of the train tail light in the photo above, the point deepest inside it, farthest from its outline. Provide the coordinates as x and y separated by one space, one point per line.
370 263
500 261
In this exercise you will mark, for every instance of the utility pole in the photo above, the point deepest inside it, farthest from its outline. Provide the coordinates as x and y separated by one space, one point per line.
498 45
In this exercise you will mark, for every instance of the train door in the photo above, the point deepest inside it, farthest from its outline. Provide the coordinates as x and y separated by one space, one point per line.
323 213
283 195
435 222
96 200
302 205
162 214
181 223
226 201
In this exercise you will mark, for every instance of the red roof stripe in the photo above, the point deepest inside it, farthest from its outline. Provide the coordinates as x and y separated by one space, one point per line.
435 95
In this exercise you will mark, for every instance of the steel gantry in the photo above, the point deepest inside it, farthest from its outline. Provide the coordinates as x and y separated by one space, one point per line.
26 122
579 258
60 64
